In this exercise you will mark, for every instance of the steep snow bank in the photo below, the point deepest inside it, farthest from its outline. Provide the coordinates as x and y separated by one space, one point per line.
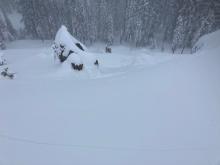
208 42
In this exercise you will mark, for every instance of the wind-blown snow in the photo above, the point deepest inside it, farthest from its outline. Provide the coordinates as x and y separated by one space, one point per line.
141 109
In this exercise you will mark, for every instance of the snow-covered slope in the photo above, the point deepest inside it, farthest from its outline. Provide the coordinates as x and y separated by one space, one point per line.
141 109
209 42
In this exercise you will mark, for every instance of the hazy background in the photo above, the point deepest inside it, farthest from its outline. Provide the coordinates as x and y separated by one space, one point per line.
160 24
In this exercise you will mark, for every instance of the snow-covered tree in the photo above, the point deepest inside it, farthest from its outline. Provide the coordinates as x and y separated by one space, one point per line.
105 22
2 60
133 23
149 23
184 28
216 7
205 20
65 44
71 52
5 34
178 37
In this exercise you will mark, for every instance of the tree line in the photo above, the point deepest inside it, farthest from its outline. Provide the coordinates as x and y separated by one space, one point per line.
153 23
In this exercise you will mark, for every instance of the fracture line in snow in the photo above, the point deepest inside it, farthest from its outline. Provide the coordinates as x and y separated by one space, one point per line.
95 147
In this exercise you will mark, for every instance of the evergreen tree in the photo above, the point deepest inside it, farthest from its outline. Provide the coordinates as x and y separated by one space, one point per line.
5 34
152 23
105 22
178 37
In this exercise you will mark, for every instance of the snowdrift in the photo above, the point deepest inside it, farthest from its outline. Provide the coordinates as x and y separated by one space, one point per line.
208 42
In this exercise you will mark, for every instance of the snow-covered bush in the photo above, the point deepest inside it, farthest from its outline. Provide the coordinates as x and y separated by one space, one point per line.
2 60
70 50
5 73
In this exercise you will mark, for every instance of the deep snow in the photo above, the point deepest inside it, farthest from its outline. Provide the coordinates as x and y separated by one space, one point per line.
140 108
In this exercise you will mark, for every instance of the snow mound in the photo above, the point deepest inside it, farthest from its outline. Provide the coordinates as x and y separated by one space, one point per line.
208 42
63 37
76 59
73 53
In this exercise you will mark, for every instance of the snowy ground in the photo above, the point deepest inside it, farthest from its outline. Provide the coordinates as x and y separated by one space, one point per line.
140 108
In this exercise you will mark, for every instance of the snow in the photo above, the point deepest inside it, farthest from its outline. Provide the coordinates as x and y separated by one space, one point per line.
1 57
209 41
76 59
2 60
142 108
65 43
63 37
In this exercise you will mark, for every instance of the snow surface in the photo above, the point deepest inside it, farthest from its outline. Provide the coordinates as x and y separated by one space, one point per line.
142 108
